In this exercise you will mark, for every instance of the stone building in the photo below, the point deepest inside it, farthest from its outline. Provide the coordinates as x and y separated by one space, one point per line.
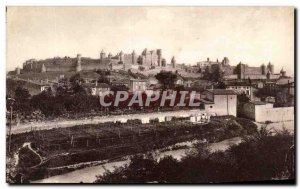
262 111
219 101
138 85
241 71
97 89
240 88
244 71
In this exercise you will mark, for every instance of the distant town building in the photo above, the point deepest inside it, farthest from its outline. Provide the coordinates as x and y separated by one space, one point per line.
137 85
240 88
97 89
45 87
220 101
241 71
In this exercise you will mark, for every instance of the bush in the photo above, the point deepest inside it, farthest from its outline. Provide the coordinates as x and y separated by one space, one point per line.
259 158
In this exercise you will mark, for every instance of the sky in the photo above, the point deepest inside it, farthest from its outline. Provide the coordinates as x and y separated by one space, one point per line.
251 35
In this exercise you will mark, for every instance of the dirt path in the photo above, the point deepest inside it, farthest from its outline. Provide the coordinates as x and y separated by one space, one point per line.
28 144
22 128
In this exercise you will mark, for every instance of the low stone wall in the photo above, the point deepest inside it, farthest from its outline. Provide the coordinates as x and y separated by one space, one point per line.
275 114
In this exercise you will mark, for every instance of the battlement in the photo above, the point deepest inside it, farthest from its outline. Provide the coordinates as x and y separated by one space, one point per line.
147 59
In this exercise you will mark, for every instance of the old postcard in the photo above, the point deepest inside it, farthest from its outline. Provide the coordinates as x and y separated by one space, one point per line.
150 95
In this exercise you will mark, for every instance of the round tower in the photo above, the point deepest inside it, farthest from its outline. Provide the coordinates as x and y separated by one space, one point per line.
269 74
282 72
225 61
173 62
109 56
134 58
241 70
43 69
121 56
159 59
78 63
263 69
102 56
18 71
163 62
271 68
145 51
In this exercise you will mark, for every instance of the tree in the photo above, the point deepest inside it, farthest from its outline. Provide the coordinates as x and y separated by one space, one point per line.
76 83
21 93
103 79
22 102
76 79
242 98
282 99
207 74
259 157
221 85
166 79
215 74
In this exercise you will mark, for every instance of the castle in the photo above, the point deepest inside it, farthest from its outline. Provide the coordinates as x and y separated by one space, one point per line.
148 60
241 71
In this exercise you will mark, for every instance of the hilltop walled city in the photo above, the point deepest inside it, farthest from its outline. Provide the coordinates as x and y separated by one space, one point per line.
138 73
57 122
150 95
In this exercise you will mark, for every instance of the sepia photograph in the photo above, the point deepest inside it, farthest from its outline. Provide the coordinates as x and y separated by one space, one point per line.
150 95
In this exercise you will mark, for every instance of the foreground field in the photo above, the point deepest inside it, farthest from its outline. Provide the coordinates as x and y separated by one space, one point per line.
61 148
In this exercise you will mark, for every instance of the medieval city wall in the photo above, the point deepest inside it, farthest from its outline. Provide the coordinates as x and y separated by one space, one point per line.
253 71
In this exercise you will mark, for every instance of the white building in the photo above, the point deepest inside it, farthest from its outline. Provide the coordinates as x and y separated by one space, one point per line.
97 89
137 85
262 111
240 88
219 101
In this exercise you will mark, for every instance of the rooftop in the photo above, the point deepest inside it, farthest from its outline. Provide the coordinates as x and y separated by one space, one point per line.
139 80
258 103
222 92
236 83
99 85
205 101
